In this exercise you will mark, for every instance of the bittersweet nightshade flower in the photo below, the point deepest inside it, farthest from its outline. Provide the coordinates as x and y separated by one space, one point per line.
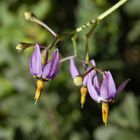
104 91
44 72
79 80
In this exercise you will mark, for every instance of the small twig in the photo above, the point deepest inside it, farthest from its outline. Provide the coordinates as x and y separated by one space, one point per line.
74 39
31 17
102 16
67 58
87 36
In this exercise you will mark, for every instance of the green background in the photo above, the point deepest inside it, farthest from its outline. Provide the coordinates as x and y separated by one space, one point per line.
115 46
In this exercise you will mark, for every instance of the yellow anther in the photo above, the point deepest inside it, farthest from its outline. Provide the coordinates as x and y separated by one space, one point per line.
78 80
105 112
83 91
39 89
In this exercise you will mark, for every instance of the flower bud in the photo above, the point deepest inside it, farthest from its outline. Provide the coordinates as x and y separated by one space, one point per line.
78 80
22 45
29 15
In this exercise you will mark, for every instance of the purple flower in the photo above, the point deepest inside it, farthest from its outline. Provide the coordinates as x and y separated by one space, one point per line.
75 73
104 91
44 72
81 80
47 71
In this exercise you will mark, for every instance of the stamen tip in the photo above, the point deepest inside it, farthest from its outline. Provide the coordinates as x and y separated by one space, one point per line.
106 124
82 105
35 102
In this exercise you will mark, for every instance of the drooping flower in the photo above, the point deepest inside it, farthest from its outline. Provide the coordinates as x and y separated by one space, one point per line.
44 72
81 80
104 91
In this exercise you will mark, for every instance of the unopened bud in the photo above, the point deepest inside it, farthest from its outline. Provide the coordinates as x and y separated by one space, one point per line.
22 45
83 91
78 80
105 112
29 15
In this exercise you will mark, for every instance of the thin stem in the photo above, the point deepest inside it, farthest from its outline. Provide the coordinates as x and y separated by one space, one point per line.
87 36
67 58
90 64
45 26
87 72
102 16
97 69
31 17
74 38
111 10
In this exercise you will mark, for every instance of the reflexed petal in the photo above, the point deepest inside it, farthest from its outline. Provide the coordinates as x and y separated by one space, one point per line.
55 64
50 70
92 61
96 83
35 62
73 69
93 72
46 70
85 80
92 91
122 86
108 88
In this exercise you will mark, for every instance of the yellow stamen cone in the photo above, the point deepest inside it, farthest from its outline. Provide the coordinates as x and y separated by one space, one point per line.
105 112
83 91
39 89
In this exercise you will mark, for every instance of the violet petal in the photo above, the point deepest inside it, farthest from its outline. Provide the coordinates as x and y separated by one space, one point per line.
108 88
85 80
73 69
122 86
51 68
35 62
55 60
96 83
92 91
93 72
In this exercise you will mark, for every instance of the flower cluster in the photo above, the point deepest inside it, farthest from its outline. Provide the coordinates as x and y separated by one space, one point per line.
81 80
101 88
99 84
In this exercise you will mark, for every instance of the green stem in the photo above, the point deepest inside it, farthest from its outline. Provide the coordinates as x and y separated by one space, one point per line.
31 17
74 38
102 16
111 10
67 58
87 36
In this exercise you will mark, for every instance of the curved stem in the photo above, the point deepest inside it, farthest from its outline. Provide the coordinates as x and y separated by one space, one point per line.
31 17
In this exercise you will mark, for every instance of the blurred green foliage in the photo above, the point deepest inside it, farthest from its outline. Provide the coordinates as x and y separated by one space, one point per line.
115 45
